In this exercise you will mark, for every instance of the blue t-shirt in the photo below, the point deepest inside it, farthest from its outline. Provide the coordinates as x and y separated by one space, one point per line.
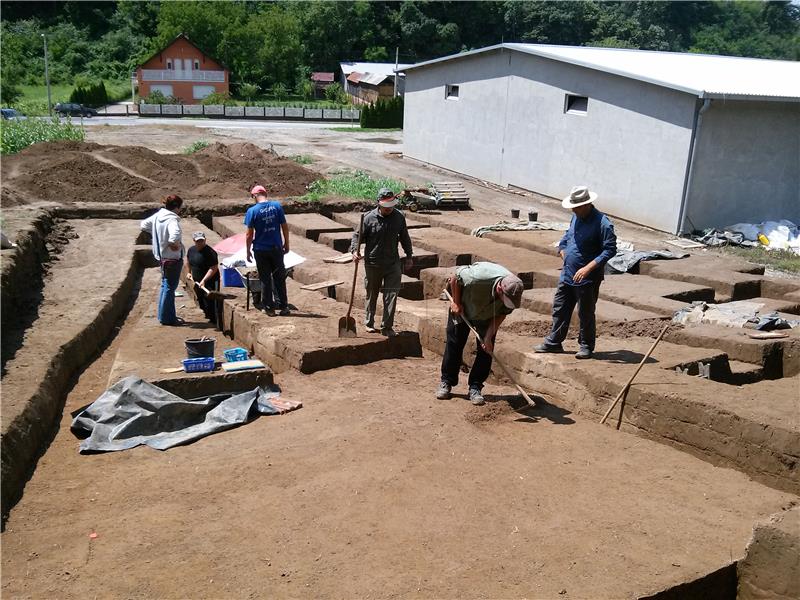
266 218
588 239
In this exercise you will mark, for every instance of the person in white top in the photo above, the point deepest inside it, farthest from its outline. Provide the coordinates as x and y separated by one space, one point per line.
165 228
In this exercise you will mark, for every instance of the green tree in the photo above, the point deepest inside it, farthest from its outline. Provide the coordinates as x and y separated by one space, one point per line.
248 91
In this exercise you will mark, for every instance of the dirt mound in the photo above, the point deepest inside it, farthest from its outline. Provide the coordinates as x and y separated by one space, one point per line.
69 172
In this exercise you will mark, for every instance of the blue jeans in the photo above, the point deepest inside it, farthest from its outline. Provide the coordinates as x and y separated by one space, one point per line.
170 277
272 275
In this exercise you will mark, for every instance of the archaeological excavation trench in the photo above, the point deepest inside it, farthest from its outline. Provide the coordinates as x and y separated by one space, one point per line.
695 497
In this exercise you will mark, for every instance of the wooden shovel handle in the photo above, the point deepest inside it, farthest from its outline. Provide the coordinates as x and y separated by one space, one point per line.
355 267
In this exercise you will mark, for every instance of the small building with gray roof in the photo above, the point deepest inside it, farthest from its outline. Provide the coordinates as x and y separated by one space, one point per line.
674 141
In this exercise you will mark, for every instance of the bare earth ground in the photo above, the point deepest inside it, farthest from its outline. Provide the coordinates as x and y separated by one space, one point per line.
373 488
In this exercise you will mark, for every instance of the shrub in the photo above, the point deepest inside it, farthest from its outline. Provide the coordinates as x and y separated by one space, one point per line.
280 91
386 113
302 159
305 89
195 147
157 97
217 98
16 135
91 94
336 94
248 90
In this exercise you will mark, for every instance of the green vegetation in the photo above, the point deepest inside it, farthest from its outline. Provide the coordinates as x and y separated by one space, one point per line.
279 43
16 135
351 185
302 159
781 260
33 98
196 147
383 114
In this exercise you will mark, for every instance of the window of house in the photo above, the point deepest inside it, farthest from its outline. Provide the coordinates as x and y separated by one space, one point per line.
451 92
169 63
576 105
196 64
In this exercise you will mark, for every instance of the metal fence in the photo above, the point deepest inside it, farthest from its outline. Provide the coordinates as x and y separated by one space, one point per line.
249 112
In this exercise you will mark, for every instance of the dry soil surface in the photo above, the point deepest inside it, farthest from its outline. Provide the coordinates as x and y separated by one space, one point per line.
375 489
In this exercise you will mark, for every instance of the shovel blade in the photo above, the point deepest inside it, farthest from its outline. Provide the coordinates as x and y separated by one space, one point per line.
347 327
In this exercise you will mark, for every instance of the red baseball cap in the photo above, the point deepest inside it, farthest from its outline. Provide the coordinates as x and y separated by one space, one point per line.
259 189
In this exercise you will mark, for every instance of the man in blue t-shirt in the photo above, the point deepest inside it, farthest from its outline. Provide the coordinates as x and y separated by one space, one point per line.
265 222
586 247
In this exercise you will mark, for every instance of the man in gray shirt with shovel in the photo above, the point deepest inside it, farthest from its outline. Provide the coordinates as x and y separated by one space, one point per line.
383 228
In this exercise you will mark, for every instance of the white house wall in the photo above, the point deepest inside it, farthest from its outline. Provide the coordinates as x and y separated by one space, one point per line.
509 127
464 135
747 165
631 146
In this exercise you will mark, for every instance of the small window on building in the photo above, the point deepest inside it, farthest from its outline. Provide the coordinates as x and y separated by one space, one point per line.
451 92
196 64
169 63
576 105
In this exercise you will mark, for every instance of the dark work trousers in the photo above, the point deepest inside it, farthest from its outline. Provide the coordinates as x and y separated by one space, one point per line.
384 279
458 333
272 275
567 296
205 303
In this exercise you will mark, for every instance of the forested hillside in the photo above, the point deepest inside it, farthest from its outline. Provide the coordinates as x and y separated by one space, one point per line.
266 43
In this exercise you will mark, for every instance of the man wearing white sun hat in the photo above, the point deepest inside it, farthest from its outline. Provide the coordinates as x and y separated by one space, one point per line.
586 247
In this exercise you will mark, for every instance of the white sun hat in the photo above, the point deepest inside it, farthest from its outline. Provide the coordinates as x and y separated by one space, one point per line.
578 196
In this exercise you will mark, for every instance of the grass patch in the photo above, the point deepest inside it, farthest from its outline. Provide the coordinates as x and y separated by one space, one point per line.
357 185
302 159
34 97
16 135
196 147
363 129
782 260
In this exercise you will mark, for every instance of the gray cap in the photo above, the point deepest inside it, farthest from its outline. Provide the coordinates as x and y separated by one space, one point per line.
512 289
385 193
198 235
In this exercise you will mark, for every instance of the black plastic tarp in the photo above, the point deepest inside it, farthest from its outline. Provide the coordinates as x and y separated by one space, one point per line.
134 412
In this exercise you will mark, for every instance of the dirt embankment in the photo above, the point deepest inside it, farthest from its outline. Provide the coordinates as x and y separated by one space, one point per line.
69 172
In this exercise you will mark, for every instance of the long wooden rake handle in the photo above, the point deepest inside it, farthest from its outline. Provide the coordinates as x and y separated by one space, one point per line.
355 267
508 374
623 392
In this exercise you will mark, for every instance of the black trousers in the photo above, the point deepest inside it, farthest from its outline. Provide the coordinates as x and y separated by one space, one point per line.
458 333
206 304
272 274
567 296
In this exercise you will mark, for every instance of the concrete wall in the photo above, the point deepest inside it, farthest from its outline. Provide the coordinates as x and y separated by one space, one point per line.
509 127
747 165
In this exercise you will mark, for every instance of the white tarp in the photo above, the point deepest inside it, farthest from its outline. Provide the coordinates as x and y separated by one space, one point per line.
782 235
290 259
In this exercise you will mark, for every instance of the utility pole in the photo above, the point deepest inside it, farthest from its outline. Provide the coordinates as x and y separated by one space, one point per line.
396 62
47 78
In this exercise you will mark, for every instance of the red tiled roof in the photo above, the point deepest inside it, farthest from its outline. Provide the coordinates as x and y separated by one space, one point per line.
322 77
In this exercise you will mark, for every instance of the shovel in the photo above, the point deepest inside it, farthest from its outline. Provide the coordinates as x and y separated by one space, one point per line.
347 325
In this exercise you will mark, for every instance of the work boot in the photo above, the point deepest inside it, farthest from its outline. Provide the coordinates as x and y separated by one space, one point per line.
443 393
270 312
541 348
583 353
476 397
388 332
284 312
370 329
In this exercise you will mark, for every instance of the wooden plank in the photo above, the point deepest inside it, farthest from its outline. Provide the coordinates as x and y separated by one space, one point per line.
322 285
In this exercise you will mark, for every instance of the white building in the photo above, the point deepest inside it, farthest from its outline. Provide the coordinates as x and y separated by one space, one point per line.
669 140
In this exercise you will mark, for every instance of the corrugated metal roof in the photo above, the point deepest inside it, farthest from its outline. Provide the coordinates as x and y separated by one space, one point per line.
354 77
322 77
706 76
366 67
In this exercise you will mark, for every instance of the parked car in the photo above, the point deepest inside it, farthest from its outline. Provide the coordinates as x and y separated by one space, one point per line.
74 110
10 114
